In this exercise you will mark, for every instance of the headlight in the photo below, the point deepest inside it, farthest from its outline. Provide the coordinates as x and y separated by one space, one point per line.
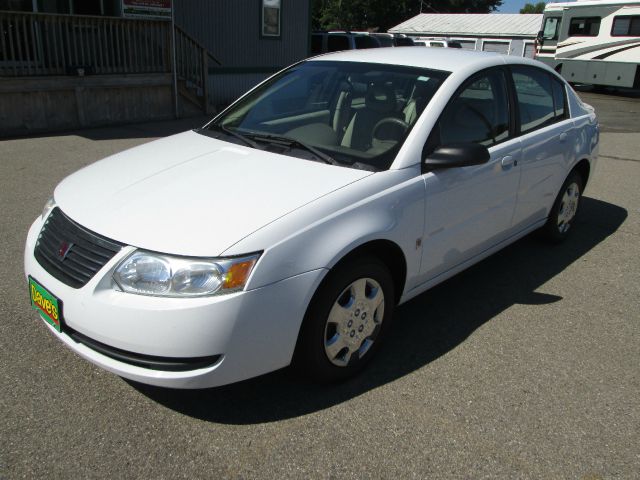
50 205
147 273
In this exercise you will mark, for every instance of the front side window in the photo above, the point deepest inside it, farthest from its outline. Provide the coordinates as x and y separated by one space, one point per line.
550 31
316 44
584 27
358 114
627 26
541 98
478 114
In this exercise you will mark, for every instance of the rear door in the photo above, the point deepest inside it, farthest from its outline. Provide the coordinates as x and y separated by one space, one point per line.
548 139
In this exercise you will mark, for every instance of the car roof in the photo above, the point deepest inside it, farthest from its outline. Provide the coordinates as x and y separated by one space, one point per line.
450 60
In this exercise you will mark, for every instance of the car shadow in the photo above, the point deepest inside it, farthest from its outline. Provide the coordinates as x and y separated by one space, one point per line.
425 328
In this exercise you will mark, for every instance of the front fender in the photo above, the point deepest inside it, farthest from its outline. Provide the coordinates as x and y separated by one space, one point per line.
385 206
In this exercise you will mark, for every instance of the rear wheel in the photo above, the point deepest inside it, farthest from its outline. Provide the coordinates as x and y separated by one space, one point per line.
346 320
564 209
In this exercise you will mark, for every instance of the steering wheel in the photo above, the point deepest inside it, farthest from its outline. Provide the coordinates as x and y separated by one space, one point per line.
391 120
483 119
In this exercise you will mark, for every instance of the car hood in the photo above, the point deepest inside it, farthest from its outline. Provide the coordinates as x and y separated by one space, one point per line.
193 195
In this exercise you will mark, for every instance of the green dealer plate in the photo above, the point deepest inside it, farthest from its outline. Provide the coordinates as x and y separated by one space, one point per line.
47 304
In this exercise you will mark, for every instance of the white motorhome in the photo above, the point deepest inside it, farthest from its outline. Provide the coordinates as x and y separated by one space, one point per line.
595 42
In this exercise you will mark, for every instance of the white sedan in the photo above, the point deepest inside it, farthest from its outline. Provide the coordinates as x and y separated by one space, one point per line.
288 228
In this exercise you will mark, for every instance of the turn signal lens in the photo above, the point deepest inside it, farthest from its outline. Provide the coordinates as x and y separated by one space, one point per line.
48 206
238 274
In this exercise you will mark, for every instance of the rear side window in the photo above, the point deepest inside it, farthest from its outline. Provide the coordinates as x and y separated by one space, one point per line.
365 41
385 41
627 26
336 43
541 98
403 42
584 27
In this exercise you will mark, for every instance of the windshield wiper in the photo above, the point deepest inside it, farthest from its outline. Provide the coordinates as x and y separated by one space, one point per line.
291 142
235 134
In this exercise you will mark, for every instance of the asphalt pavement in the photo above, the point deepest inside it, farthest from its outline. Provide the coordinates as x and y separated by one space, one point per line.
525 366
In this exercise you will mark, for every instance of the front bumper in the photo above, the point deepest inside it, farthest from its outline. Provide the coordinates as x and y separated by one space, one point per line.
253 332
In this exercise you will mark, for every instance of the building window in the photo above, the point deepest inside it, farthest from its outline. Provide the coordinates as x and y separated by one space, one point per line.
271 16
17 5
80 7
584 27
628 26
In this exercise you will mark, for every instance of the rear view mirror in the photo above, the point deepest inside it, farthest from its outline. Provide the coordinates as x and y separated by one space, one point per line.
458 155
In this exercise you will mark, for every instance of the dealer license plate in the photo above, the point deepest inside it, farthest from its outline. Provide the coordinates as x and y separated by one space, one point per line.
47 304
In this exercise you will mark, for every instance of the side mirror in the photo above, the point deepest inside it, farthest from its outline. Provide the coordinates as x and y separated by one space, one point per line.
457 155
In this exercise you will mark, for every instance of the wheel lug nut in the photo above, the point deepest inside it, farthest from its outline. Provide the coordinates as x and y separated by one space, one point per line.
353 332
350 323
360 328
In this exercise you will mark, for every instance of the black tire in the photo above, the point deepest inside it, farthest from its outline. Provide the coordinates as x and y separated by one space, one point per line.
311 358
564 210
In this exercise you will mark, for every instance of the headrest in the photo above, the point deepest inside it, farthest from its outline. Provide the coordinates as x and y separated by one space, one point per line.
425 89
381 98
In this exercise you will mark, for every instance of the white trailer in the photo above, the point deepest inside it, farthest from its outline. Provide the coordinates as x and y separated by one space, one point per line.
595 42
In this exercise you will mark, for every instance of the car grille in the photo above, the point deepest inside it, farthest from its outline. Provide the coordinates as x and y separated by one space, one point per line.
71 253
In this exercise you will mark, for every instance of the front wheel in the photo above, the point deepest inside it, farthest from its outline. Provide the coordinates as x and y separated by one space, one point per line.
564 209
346 320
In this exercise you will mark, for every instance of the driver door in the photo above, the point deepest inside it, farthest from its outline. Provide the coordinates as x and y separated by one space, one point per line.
469 209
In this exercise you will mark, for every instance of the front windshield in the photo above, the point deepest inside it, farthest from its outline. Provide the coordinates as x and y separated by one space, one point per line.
551 28
348 113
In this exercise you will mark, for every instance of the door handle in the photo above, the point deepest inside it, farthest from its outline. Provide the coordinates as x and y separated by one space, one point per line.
508 161
563 136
